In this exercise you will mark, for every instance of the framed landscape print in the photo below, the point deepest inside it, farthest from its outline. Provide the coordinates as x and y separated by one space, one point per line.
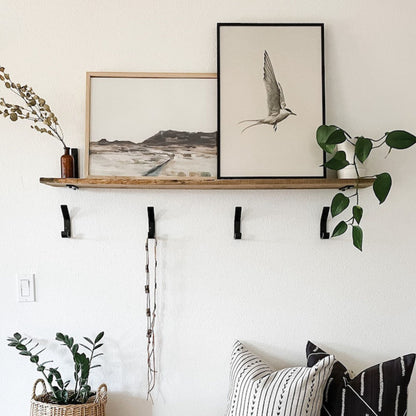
147 125
271 100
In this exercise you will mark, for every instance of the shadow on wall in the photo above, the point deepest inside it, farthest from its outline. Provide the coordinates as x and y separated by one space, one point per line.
127 405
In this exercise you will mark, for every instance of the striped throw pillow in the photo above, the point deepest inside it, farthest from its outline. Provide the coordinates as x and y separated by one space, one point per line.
380 390
259 390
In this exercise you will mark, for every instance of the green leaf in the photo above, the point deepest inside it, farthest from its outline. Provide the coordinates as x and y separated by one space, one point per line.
87 339
340 229
99 337
97 355
322 135
339 161
363 148
21 347
339 203
34 359
382 186
85 346
17 335
59 336
41 368
75 348
400 139
357 237
357 213
336 137
27 353
98 346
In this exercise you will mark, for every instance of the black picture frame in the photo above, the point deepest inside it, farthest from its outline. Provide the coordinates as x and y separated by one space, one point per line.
233 160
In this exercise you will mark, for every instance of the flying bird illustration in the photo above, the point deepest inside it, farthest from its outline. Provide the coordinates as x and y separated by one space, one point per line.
275 98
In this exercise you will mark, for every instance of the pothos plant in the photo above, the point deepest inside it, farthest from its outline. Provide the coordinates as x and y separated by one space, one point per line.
328 137
82 366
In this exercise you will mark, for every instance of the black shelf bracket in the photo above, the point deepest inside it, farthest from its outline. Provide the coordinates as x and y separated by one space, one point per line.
67 222
74 187
324 234
346 187
152 224
237 223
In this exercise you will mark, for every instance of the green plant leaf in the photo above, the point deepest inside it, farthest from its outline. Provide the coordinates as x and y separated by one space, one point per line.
98 355
85 346
363 148
339 203
357 213
336 137
357 237
87 339
59 336
400 139
99 337
339 161
382 186
322 135
17 335
340 229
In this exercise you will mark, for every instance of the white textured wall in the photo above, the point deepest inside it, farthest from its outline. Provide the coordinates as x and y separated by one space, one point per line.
276 288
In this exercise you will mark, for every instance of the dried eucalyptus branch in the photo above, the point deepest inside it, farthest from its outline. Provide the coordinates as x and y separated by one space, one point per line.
35 109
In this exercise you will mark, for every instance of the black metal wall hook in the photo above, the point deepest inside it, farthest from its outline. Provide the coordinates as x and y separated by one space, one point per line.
237 223
152 224
324 234
67 222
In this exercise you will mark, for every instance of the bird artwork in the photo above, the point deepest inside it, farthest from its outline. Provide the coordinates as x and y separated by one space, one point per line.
275 99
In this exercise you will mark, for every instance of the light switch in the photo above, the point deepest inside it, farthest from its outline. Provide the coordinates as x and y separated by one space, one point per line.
26 287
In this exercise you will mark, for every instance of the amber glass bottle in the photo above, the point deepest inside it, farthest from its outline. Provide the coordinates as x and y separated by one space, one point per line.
67 164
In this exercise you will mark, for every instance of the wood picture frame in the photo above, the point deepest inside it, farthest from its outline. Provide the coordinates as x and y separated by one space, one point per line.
263 70
151 125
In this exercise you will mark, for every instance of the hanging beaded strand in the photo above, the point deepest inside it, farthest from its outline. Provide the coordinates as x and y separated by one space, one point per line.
151 283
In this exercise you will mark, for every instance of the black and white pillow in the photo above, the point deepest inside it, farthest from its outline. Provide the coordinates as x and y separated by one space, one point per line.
259 390
380 390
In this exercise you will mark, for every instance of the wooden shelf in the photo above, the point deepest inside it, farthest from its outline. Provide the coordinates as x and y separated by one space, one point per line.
131 183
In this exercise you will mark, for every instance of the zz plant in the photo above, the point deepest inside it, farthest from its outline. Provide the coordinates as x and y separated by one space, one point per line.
82 366
328 137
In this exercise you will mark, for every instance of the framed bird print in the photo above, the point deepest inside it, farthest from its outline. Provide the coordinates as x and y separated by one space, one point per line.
271 100
151 125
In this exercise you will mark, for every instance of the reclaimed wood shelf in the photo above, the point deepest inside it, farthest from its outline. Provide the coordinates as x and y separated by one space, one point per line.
132 183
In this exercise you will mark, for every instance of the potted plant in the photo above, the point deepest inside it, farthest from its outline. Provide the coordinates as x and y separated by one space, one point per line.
36 111
60 400
328 137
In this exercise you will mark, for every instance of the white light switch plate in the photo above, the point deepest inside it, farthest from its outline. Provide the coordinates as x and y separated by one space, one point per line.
26 288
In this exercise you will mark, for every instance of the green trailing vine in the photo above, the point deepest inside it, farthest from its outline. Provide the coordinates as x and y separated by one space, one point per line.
59 392
328 137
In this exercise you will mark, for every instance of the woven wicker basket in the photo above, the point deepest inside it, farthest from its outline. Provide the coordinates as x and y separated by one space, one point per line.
95 405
